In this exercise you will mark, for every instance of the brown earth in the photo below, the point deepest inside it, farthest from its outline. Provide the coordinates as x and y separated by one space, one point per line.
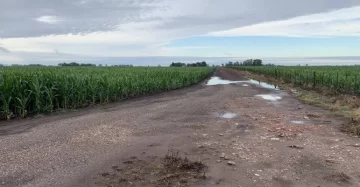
281 143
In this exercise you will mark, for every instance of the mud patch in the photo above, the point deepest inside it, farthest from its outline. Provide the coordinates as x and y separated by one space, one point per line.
171 170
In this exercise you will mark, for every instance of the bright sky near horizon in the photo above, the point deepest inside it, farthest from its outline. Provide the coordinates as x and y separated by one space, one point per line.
113 31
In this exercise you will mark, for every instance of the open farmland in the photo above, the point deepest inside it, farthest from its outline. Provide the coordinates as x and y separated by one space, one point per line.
226 131
345 79
33 90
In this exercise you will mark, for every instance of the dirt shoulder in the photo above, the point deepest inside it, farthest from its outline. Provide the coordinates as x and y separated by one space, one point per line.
344 105
244 134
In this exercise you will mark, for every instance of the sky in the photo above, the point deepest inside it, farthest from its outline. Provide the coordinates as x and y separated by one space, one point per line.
157 32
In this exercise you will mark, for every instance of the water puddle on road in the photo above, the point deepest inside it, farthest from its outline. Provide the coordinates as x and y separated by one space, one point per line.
269 97
297 122
228 115
264 84
218 81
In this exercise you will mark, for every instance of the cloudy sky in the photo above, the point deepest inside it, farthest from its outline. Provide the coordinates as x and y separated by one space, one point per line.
151 32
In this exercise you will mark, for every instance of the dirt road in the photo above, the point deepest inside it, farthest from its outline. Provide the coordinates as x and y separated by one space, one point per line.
246 134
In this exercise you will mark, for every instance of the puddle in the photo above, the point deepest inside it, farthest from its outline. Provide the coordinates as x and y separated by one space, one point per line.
228 115
269 97
264 84
297 122
218 81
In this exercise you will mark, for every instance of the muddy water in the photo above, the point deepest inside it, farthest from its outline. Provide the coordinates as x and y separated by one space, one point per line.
269 97
218 81
228 115
297 122
264 84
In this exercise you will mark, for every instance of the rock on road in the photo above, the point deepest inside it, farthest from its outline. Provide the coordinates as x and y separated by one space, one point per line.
266 138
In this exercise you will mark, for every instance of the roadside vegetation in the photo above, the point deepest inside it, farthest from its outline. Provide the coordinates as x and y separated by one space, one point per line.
33 90
333 88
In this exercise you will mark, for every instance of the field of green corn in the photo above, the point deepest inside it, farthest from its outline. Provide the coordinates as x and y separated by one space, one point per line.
345 79
33 90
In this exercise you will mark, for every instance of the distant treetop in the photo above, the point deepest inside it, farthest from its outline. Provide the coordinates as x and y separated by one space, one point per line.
249 62
197 64
75 64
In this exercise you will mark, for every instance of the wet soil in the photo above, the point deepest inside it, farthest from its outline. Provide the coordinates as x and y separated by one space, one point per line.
128 143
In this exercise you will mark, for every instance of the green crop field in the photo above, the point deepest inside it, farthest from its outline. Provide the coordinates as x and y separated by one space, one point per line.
345 79
32 90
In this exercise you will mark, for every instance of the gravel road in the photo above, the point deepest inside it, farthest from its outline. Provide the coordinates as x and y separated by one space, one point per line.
247 134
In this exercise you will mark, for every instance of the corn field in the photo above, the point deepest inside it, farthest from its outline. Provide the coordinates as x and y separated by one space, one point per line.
32 90
345 79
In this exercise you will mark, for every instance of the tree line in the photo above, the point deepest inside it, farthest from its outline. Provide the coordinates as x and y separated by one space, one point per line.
249 62
75 64
196 64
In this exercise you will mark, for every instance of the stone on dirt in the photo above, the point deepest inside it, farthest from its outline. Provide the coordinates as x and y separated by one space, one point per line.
231 163
330 161
222 155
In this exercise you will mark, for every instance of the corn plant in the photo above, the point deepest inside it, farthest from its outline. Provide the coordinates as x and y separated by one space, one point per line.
32 90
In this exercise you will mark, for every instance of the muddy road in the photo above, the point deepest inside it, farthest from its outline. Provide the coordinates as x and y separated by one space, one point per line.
246 134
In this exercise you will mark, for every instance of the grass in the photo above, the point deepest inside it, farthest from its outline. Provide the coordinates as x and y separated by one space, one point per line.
340 104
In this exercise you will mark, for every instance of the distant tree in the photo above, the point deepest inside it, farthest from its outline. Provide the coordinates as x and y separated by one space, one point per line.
75 64
248 62
257 62
229 64
203 64
197 64
177 64
87 64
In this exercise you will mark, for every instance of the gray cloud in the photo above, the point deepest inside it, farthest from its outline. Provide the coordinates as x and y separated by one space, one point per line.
142 27
4 50
18 17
